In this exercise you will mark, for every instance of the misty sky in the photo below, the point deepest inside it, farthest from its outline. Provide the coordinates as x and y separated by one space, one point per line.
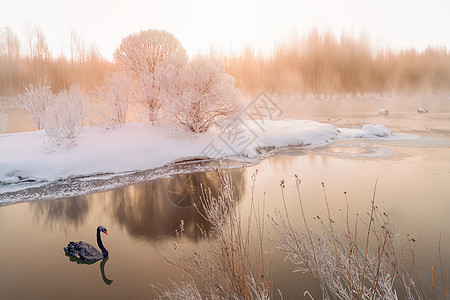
228 25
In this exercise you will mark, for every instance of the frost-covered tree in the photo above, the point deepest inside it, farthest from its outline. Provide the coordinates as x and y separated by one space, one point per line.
141 53
199 95
36 101
118 92
147 93
3 122
149 85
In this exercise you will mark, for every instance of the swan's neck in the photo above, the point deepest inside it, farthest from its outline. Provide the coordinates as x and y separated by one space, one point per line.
100 244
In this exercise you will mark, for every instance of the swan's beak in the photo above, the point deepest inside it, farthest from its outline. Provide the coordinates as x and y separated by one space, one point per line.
106 232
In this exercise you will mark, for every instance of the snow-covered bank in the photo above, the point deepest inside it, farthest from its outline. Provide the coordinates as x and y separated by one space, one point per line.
140 146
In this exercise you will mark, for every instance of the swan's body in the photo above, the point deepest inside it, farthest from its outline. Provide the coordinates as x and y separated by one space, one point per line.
83 251
86 252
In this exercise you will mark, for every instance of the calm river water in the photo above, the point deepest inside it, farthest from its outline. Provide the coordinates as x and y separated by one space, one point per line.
413 172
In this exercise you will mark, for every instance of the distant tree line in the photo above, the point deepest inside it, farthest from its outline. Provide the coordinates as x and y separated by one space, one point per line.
318 63
323 63
22 66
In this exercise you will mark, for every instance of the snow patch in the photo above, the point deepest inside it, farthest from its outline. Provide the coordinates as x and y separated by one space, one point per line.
141 146
372 131
383 112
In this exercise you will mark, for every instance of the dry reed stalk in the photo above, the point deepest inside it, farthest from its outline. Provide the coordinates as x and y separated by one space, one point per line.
344 266
230 263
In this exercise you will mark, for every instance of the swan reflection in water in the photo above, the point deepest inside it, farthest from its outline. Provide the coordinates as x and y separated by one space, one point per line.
102 266
84 253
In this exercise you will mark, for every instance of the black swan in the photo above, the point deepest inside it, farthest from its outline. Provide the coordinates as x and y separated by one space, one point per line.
86 252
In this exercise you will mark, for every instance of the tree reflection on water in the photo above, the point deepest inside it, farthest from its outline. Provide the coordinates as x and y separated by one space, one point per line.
150 210
155 209
61 213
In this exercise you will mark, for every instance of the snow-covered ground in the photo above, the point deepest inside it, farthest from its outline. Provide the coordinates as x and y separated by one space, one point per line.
141 146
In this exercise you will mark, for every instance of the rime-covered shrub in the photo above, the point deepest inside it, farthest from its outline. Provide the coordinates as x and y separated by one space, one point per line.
199 95
80 102
36 101
118 91
65 116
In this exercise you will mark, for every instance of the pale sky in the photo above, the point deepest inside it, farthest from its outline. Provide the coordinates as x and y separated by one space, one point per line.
229 25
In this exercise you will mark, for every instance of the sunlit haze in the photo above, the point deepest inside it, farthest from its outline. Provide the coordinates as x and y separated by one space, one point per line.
233 149
228 26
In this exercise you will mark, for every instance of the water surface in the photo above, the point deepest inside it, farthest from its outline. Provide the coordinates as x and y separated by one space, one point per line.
413 172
